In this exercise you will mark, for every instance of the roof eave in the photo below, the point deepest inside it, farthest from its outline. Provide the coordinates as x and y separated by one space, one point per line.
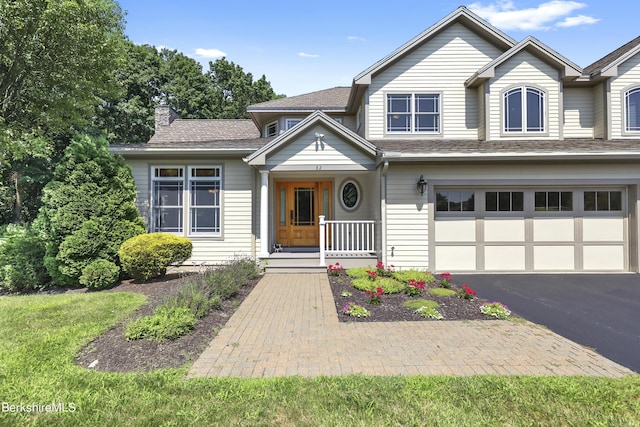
523 156
172 151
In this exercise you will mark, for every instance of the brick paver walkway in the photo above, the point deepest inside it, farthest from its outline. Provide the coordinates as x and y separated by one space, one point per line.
288 326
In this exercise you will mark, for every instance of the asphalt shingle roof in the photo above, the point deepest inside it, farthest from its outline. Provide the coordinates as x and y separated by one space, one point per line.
329 99
606 60
204 130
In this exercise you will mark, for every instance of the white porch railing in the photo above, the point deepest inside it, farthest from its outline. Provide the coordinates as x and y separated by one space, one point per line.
346 237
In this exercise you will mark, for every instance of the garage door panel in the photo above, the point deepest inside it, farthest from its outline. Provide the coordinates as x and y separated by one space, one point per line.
553 230
605 257
456 230
455 258
554 258
505 258
603 229
504 229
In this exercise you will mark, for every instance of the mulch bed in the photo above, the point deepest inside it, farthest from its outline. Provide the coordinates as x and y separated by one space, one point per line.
115 354
392 309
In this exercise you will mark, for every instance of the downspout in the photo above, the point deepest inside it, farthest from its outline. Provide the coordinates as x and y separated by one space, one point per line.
383 211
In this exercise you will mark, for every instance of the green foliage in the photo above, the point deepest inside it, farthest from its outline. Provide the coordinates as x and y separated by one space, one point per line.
358 273
406 275
495 309
196 298
57 58
21 263
88 209
430 313
442 292
166 323
363 283
354 310
388 285
415 304
100 274
148 255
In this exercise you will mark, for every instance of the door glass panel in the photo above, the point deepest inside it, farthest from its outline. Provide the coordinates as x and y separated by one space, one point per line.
325 202
283 206
304 203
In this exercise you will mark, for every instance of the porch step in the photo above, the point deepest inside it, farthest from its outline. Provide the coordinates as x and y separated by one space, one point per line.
288 262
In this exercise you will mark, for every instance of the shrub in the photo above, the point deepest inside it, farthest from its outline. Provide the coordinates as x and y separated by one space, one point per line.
196 298
100 274
442 292
166 323
88 209
21 263
406 275
149 255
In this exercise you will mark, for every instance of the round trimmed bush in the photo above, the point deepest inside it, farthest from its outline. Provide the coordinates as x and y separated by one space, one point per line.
100 274
148 255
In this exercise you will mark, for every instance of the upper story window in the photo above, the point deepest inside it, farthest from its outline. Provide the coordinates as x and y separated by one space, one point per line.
632 110
413 113
289 123
271 129
524 110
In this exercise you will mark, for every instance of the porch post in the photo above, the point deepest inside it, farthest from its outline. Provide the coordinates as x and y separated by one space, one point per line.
322 240
264 214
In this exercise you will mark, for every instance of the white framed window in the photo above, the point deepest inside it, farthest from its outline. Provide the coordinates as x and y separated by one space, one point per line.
524 110
186 201
289 123
271 129
413 113
632 110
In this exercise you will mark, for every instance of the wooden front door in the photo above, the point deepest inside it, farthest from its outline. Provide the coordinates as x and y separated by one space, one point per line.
298 206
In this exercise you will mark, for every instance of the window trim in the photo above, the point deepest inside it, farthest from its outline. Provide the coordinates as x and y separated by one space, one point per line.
267 134
186 179
631 90
288 120
524 88
413 114
358 194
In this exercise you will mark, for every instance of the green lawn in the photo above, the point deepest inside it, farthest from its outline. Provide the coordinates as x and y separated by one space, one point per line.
41 334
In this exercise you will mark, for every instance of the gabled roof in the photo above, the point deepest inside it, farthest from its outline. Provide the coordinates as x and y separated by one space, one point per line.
608 65
205 130
258 158
462 15
333 100
535 46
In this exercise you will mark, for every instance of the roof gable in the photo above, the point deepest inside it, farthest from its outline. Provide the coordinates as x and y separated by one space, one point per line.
608 65
537 48
259 158
461 15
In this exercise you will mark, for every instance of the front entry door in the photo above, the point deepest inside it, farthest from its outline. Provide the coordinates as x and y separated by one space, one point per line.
298 206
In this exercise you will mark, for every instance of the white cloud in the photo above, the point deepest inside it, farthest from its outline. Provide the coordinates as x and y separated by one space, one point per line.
505 15
356 39
574 21
210 53
307 55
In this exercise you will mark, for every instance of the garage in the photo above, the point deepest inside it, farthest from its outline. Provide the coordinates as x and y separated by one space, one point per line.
530 229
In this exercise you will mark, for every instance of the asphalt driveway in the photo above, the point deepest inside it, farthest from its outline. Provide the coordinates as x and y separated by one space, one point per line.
601 311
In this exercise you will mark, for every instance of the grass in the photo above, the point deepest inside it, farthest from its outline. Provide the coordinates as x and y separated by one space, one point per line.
41 334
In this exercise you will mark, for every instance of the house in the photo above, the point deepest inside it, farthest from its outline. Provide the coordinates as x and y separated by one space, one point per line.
462 150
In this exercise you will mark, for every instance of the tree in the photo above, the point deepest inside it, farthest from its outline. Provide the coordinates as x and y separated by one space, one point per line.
234 90
88 210
57 60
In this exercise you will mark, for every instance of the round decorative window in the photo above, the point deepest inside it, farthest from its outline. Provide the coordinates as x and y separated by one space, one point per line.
350 195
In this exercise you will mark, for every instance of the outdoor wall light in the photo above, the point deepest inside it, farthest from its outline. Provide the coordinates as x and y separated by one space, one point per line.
421 185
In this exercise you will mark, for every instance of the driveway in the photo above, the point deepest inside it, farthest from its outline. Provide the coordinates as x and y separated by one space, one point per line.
601 311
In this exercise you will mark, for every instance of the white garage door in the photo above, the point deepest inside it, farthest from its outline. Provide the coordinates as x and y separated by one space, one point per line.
536 229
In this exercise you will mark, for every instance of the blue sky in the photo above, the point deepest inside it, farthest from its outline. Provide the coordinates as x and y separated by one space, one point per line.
306 46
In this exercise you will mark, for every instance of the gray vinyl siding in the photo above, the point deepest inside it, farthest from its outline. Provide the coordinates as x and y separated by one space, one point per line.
141 177
525 69
482 111
599 111
407 231
439 66
578 113
628 77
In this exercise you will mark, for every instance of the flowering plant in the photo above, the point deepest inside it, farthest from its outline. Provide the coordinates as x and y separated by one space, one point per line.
374 295
445 280
354 310
495 309
335 270
384 272
346 294
372 274
415 287
430 313
466 292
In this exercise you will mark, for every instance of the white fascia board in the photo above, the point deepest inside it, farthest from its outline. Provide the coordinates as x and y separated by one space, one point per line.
407 157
